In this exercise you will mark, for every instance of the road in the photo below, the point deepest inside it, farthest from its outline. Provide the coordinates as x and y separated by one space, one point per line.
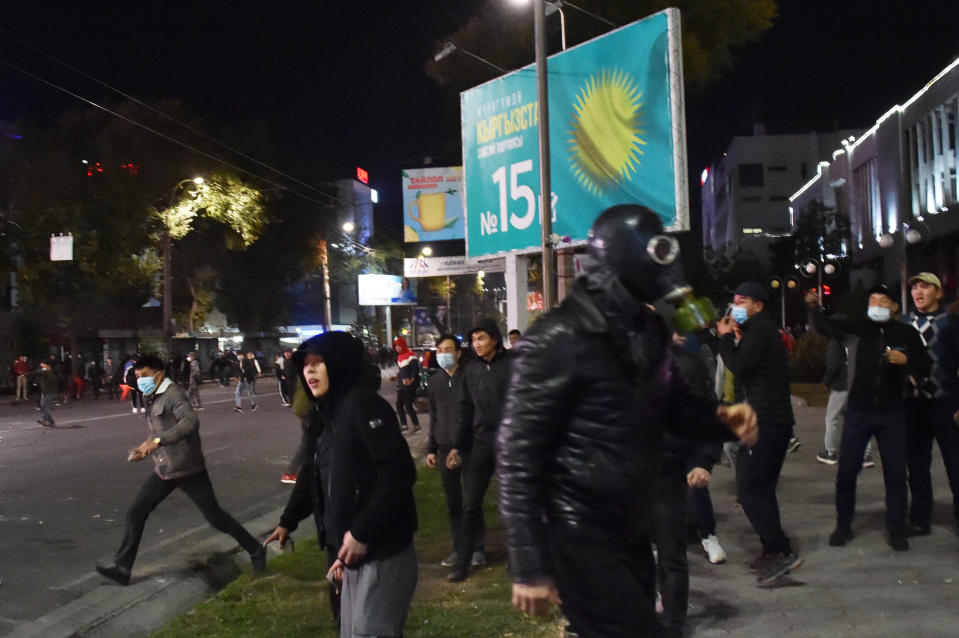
64 490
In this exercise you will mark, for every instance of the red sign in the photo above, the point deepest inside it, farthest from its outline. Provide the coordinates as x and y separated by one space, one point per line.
362 175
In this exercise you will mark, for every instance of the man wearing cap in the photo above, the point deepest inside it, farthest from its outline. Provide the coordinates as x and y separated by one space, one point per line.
485 380
753 351
882 354
934 404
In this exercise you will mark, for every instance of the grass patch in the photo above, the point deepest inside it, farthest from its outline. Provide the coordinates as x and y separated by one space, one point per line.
290 600
815 394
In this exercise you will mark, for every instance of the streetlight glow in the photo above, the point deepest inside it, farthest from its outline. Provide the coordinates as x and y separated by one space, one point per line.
198 180
348 227
427 251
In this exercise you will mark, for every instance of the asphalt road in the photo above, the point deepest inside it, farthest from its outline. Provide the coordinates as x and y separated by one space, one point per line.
64 491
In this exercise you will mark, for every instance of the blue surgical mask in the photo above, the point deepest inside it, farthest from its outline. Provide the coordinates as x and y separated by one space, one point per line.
446 360
878 314
146 385
739 314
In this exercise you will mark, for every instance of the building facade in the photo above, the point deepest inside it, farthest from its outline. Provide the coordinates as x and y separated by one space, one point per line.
745 194
898 185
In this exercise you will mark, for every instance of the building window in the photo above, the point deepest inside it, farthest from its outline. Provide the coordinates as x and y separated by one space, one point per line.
751 175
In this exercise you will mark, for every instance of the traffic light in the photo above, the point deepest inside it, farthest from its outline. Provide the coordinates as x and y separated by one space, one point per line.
826 291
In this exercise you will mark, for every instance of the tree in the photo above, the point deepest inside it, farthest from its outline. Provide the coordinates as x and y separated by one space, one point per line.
821 233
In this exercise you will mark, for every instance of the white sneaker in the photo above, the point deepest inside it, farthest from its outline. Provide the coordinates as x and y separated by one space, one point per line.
715 553
134 410
142 410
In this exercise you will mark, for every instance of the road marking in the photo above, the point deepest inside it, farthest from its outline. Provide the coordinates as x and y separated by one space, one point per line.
98 418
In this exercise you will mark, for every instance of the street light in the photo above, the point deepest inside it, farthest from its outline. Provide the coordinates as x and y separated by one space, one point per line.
782 285
168 270
348 227
817 268
914 232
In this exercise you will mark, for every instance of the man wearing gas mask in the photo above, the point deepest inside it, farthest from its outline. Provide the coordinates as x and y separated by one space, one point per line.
593 388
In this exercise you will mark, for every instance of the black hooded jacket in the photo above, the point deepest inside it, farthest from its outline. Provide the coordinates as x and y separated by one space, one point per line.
593 388
359 473
483 393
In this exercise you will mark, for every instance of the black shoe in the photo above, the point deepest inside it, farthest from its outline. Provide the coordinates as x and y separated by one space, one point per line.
457 575
115 573
404 429
757 564
235 409
897 541
253 408
46 424
841 535
917 529
258 559
779 565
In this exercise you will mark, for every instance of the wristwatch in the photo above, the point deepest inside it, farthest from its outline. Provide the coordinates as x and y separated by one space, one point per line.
157 441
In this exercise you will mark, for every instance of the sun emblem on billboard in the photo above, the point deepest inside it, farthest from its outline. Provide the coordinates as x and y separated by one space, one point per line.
606 138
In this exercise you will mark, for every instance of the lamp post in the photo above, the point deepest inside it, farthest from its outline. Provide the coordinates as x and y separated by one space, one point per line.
911 233
782 284
817 268
168 270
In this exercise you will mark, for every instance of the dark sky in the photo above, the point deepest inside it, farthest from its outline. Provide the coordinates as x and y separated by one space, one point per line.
342 83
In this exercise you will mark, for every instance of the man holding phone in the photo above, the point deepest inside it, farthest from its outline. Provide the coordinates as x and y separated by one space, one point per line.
882 354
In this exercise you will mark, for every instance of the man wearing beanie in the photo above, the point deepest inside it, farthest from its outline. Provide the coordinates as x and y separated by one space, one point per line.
485 380
882 354
934 404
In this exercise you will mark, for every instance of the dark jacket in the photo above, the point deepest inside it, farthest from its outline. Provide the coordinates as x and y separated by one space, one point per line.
47 379
758 363
408 365
359 473
445 394
579 443
835 377
484 391
875 385
248 370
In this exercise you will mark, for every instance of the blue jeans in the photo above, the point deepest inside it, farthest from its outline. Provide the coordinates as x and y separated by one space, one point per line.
46 407
250 387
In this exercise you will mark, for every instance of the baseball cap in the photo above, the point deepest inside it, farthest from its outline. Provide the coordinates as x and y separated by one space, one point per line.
880 289
752 289
927 277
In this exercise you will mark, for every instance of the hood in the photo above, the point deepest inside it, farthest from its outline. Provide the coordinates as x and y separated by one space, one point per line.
400 345
343 355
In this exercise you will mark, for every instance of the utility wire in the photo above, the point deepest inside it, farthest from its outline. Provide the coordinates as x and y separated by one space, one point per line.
161 113
165 136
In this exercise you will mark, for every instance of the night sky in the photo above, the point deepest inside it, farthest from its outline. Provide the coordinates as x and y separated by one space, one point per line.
340 84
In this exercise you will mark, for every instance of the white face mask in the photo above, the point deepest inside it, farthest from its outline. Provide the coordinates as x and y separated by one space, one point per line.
878 314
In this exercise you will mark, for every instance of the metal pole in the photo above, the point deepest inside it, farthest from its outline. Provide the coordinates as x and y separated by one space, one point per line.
819 287
782 300
327 305
545 187
167 292
449 308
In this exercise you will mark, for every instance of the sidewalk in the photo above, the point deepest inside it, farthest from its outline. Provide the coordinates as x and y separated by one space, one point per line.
863 589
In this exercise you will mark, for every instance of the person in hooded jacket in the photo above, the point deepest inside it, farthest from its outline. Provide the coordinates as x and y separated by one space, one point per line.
593 388
407 380
358 483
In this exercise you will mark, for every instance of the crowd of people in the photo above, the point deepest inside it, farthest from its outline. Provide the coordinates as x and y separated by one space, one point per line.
601 425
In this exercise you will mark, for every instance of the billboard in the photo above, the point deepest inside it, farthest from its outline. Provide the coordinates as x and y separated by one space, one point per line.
449 266
386 290
616 134
433 204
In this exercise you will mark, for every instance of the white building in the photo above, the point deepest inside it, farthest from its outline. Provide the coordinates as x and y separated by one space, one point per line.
745 194
897 183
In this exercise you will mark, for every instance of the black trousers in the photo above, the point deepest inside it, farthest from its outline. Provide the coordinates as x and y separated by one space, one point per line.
890 432
701 511
757 473
200 490
608 587
669 534
404 404
453 490
478 467
930 420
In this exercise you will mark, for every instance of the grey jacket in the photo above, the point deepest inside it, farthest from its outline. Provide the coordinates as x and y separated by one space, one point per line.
172 419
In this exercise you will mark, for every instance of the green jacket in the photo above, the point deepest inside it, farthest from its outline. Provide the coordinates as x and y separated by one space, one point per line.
171 419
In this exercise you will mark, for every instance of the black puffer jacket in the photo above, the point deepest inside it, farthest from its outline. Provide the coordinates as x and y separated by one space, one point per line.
579 441
758 363
481 405
359 473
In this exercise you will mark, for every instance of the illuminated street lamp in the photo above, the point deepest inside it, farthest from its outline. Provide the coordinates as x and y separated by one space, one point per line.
816 268
912 233
168 269
782 285
348 227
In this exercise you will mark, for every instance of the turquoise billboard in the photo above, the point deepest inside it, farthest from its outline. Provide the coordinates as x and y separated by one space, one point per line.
616 134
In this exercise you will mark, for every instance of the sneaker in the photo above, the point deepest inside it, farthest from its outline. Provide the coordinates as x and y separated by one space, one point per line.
757 564
841 535
827 457
917 529
897 541
794 444
284 404
715 553
198 408
478 559
115 573
416 429
237 409
46 424
253 408
778 565
142 410
867 461
450 560
133 410
288 478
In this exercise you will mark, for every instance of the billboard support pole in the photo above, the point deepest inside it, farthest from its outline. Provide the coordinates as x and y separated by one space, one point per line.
389 327
545 187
